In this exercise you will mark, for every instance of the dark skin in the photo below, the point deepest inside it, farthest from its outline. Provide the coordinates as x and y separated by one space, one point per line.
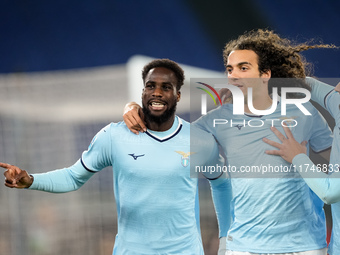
16 177
159 94
241 64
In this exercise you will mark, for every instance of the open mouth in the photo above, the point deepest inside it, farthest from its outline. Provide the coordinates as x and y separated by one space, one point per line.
157 105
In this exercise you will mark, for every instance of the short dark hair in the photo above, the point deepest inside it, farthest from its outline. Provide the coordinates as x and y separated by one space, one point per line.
166 63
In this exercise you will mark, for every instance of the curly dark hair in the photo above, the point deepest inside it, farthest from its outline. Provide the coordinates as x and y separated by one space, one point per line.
169 64
279 55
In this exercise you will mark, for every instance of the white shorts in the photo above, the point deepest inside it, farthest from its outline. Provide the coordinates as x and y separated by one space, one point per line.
313 252
223 251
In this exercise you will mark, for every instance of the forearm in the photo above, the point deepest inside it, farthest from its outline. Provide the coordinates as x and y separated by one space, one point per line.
62 180
326 187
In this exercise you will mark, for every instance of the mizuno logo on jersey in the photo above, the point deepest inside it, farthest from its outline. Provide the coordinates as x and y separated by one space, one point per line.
135 157
239 127
185 160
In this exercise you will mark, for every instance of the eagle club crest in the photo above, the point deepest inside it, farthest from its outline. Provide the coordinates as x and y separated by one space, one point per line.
289 120
185 160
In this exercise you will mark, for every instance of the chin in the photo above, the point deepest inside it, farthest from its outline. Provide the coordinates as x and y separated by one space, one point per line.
159 116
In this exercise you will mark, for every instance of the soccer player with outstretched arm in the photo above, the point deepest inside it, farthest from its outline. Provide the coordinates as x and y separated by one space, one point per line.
156 195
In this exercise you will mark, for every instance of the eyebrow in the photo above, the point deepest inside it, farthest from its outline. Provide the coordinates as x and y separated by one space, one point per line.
241 64
164 82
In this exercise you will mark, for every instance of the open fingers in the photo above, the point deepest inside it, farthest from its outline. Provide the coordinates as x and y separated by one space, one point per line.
274 152
278 134
289 133
272 143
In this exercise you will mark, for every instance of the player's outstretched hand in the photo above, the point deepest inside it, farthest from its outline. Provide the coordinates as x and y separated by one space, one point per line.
134 118
289 147
15 177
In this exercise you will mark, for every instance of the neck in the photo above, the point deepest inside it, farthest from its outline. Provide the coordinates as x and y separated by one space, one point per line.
159 127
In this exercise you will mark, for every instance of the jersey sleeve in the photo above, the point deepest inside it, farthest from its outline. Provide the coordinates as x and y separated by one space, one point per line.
214 117
326 187
333 104
326 96
205 159
98 155
320 90
211 164
321 136
222 195
61 180
72 178
205 123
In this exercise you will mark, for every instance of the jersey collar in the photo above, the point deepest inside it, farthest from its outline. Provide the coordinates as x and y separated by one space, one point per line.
166 135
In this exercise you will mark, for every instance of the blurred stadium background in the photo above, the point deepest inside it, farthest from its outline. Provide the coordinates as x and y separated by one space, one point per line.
68 68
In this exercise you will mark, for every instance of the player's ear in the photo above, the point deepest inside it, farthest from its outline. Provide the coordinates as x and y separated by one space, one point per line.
178 95
265 75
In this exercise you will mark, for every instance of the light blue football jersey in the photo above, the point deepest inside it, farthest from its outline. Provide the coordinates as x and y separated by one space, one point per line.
273 209
155 193
332 105
328 188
